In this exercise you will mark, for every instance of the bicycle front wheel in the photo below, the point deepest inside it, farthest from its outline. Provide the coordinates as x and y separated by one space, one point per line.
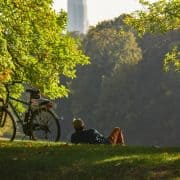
45 126
7 126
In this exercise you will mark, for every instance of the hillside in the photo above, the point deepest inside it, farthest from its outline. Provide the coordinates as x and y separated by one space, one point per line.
38 160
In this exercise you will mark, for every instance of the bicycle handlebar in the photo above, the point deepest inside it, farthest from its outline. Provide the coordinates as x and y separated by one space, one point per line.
12 83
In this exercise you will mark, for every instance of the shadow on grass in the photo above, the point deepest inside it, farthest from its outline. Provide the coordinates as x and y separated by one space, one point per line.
55 161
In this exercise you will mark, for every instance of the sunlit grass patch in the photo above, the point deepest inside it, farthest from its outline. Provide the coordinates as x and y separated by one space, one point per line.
67 161
117 158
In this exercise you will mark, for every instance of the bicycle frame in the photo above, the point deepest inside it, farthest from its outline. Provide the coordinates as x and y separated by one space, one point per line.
14 110
8 103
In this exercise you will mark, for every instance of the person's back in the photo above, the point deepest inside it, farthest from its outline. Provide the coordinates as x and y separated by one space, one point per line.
88 136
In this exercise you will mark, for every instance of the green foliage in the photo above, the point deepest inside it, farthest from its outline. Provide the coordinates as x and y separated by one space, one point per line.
142 99
172 60
159 17
109 48
34 47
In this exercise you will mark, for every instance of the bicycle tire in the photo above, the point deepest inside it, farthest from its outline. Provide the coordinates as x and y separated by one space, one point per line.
41 129
8 126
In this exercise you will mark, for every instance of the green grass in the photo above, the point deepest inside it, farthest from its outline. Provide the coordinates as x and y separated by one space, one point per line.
38 160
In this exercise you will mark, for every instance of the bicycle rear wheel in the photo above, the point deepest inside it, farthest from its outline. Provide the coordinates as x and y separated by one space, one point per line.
45 126
7 126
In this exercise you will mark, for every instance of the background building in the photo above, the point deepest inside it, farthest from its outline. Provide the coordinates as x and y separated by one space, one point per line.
77 16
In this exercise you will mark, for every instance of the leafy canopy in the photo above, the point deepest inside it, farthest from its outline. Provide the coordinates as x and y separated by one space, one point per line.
159 17
109 48
35 48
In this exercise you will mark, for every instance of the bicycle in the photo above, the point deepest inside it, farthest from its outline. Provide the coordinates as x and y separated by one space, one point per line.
39 121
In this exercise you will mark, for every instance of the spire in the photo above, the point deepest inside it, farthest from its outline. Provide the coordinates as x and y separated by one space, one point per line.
77 16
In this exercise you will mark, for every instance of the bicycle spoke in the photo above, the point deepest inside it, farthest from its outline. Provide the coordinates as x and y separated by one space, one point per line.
46 126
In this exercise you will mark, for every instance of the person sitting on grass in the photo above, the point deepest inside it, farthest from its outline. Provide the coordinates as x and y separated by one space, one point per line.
92 136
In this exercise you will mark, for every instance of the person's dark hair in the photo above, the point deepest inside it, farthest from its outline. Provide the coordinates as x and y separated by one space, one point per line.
78 124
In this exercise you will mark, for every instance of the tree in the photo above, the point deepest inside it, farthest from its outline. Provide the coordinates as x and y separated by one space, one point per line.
118 90
35 47
159 17
108 49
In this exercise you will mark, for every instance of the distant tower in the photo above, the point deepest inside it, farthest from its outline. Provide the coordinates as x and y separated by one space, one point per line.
77 16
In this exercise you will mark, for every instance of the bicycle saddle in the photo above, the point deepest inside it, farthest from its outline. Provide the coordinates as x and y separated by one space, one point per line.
44 101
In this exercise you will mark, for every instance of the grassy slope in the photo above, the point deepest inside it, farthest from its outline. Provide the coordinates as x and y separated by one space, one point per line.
35 160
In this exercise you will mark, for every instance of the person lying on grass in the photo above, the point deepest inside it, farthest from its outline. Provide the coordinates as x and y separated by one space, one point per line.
92 136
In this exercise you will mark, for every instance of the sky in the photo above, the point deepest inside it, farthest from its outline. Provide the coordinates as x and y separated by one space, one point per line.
99 10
